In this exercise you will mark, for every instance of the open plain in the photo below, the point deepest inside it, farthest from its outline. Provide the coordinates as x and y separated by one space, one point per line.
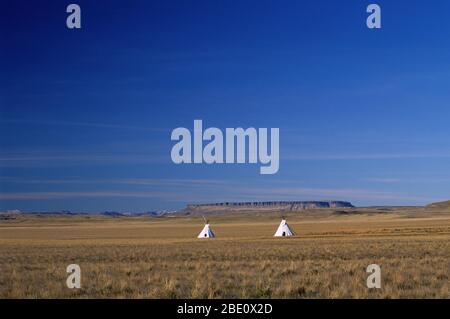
147 257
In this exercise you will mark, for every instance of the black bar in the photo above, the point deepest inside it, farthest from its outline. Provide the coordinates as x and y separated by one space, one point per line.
221 308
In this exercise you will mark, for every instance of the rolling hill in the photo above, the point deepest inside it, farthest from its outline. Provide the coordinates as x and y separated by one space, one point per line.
439 205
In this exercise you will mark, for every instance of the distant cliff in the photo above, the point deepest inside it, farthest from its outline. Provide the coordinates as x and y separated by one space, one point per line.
281 205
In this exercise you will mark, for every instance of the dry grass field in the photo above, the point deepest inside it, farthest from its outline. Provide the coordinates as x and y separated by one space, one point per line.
161 258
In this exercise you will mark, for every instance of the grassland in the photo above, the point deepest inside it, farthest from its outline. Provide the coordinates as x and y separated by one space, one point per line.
161 258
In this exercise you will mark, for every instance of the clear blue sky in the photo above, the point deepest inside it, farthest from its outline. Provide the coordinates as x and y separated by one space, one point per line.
86 115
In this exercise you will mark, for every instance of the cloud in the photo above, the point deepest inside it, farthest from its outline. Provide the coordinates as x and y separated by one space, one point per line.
408 180
201 190
126 181
40 159
85 124
70 159
357 157
383 180
344 194
93 194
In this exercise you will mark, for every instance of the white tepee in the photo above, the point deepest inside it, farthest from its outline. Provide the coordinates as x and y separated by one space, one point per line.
206 231
284 230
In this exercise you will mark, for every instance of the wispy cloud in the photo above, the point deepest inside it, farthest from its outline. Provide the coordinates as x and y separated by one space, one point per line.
85 124
200 190
357 157
383 180
93 194
408 180
69 159
126 181
348 194
39 159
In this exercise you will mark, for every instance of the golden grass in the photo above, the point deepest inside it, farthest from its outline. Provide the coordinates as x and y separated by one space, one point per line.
161 258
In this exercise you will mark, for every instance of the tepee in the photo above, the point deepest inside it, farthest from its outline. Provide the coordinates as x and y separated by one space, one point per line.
206 231
284 230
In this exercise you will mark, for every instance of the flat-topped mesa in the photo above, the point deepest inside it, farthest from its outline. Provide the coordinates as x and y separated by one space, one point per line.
284 205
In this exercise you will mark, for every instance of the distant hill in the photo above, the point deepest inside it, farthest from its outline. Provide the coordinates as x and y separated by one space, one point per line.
440 205
112 214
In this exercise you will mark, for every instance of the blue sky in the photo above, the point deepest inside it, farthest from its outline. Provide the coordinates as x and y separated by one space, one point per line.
86 115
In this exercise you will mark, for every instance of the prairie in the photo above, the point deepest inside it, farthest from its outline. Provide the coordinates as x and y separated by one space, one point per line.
143 257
